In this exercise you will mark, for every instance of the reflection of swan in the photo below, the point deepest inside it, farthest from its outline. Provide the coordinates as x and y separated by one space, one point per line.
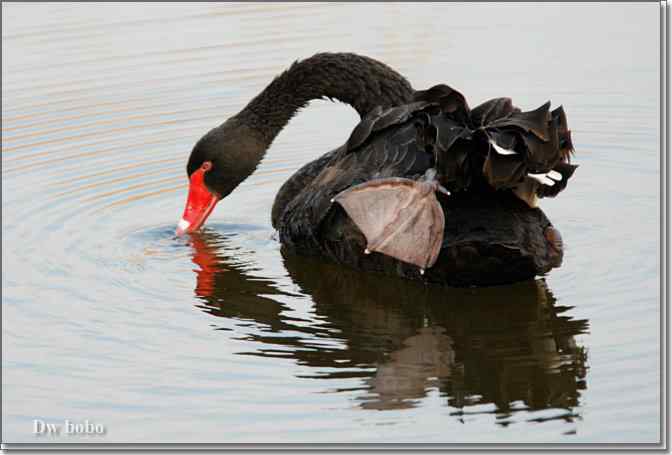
500 345
411 370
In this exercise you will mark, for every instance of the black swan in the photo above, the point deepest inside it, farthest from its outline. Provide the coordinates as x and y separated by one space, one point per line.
425 187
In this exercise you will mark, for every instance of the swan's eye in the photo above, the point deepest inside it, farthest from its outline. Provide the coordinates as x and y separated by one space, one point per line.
206 166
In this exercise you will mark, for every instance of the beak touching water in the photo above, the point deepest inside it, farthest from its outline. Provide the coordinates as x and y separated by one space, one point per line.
200 204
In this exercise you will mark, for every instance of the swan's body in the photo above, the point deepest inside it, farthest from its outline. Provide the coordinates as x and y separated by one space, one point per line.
490 158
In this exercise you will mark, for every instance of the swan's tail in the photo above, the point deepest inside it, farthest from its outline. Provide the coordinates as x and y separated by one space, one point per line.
495 145
527 152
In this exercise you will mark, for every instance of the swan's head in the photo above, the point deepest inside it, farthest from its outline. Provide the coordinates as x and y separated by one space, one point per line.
218 163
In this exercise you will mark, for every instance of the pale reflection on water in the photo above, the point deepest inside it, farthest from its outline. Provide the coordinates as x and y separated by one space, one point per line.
223 337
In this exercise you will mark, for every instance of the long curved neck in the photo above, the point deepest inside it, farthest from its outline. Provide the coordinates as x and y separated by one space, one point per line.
359 81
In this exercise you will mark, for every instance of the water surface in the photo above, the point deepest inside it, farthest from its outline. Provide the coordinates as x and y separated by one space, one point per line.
222 338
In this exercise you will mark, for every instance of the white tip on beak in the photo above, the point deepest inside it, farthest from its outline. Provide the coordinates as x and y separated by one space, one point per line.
182 226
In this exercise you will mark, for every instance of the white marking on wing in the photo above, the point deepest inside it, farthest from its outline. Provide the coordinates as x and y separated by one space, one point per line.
542 178
501 150
555 175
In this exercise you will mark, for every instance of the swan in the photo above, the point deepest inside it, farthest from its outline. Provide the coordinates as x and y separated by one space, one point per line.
424 188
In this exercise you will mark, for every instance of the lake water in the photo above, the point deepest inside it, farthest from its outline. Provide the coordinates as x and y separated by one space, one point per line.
107 317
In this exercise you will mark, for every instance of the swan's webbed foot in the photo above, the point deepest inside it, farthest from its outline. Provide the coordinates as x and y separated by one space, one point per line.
399 217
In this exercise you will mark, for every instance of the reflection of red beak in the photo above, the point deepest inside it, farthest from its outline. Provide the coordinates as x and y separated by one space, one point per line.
206 259
200 203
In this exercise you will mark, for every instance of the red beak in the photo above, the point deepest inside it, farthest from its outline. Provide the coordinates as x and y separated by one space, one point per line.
200 203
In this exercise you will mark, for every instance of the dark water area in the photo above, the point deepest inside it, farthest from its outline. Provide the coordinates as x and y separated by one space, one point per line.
224 337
